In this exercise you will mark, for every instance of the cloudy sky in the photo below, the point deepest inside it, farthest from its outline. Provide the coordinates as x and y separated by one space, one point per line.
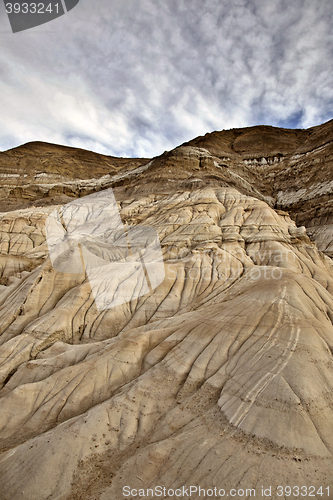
138 77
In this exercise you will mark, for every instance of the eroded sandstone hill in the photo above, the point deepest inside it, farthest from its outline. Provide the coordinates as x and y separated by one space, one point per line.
222 376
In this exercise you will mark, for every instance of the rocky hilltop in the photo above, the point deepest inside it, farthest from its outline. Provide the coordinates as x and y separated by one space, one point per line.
220 376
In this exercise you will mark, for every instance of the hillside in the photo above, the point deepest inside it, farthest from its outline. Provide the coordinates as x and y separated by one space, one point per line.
221 375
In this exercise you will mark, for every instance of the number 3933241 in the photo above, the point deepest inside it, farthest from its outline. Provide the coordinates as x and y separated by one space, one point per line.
25 14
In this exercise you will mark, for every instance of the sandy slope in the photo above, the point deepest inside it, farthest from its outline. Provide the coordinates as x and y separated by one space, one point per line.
222 376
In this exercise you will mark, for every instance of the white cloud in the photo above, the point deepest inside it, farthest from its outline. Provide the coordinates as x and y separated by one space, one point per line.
136 77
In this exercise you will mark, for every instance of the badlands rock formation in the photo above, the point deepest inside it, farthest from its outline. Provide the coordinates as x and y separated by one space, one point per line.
220 376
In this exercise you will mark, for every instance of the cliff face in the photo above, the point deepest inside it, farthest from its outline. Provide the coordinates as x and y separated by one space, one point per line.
222 375
294 167
292 170
39 173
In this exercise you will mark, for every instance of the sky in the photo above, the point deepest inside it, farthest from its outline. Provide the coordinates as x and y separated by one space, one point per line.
134 78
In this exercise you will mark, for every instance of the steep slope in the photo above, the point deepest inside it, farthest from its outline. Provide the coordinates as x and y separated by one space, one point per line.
221 376
42 173
294 167
292 170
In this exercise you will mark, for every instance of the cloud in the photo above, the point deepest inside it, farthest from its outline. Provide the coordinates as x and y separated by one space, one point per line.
137 77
